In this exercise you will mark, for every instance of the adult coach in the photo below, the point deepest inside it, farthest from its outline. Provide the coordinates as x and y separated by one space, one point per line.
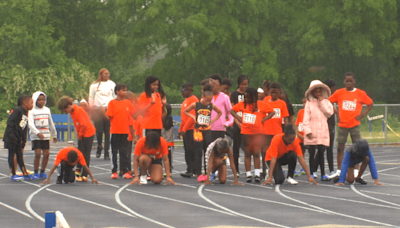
101 92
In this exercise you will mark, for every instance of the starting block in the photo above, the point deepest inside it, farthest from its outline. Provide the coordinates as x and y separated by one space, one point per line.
55 220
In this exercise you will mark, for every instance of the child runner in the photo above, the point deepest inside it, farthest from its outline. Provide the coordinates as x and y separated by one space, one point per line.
150 152
285 150
222 101
236 97
202 128
187 93
274 125
216 155
300 133
132 135
254 114
331 124
41 128
350 101
261 94
359 152
120 112
317 111
168 133
151 104
15 136
84 129
65 162
226 84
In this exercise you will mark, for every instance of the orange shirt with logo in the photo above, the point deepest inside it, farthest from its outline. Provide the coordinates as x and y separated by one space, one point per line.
120 112
158 153
63 156
251 121
299 123
350 105
185 123
278 148
273 126
152 118
82 123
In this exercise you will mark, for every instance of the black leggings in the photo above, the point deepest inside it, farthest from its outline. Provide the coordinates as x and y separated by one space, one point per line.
237 140
290 159
85 146
102 125
119 145
329 150
317 158
66 172
16 150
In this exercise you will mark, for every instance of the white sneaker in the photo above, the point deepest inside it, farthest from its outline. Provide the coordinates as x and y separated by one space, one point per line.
291 181
355 173
228 162
143 179
336 174
315 175
331 173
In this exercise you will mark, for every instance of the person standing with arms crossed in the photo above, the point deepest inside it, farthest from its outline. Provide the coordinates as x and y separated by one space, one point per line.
101 92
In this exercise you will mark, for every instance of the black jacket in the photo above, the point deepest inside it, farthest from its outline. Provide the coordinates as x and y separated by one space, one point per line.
17 128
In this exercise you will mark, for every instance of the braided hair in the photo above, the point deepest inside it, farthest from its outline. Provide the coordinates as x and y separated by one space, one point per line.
252 92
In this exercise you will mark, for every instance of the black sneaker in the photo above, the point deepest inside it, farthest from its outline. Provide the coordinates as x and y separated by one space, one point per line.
262 175
249 179
98 153
187 174
360 180
335 179
106 156
257 179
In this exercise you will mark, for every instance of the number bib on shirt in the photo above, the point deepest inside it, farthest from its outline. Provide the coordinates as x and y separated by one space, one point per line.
277 113
300 127
249 118
349 105
203 120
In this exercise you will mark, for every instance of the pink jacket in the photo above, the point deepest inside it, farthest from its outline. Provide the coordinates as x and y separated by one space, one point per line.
316 114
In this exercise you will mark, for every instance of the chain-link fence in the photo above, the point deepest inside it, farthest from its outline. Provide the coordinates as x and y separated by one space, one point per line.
381 126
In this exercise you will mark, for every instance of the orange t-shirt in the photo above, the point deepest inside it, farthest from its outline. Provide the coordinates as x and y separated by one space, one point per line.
273 126
152 119
137 125
278 148
63 156
350 105
158 153
185 123
299 123
119 113
82 123
131 123
251 121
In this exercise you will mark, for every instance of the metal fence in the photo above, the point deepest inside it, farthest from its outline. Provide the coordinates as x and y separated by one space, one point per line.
381 126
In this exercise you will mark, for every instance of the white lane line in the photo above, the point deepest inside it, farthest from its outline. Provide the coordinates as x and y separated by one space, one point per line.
383 170
180 201
91 202
331 212
380 193
392 175
325 185
377 162
199 191
117 198
373 198
15 209
28 203
265 200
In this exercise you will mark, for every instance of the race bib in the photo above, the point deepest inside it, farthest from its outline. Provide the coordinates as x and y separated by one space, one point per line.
41 122
239 114
277 113
249 118
203 120
240 98
23 122
300 127
349 106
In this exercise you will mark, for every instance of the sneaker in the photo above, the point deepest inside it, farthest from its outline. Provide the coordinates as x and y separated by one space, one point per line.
296 174
187 174
335 179
212 176
202 178
249 179
148 177
98 152
35 176
79 178
238 174
17 178
302 172
291 181
127 176
28 177
43 176
29 171
333 175
84 179
360 180
257 179
283 171
78 173
165 174
324 178
262 175
143 179
216 176
355 172
114 176
315 175
106 156
59 180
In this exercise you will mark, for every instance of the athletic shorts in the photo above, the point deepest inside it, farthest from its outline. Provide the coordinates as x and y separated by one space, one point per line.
41 144
156 161
355 134
248 140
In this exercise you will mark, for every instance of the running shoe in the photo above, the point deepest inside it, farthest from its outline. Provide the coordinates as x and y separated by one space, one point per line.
302 172
331 173
29 171
335 179
238 174
79 178
59 180
335 174
114 176
28 177
355 172
43 176
35 176
291 181
17 178
257 179
249 179
315 175
262 175
283 171
202 178
324 178
78 173
187 174
127 176
148 177
212 176
143 179
84 179
98 152
296 174
360 180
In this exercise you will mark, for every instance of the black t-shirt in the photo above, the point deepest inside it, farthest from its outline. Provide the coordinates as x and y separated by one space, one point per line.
203 115
236 97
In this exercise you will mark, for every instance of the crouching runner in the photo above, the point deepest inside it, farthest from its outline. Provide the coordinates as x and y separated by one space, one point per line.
150 152
66 160
215 156
359 152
